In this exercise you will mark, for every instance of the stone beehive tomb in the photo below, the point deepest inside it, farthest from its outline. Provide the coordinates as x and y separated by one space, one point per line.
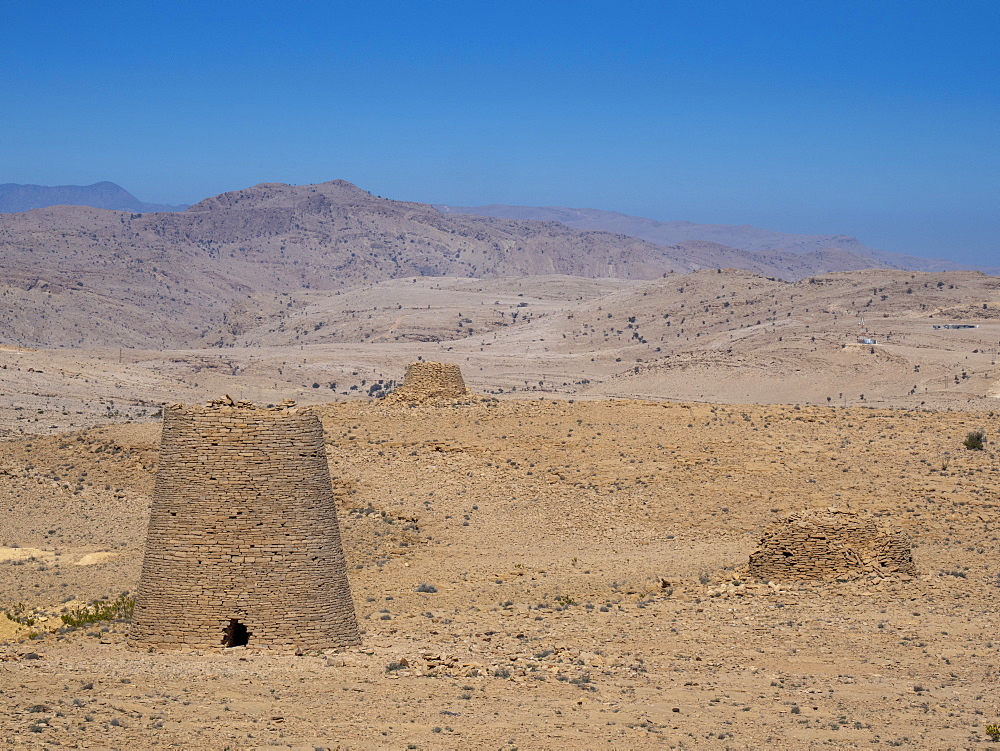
243 544
830 544
431 381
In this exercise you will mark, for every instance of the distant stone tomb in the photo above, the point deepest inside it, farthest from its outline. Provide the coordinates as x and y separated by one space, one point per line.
430 382
244 545
830 544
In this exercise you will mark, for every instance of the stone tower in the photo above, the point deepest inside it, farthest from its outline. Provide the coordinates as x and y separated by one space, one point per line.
431 381
243 544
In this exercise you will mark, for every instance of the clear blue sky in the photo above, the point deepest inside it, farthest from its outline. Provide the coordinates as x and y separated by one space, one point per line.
876 119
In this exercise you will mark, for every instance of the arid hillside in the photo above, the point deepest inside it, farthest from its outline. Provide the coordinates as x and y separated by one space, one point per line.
81 277
76 276
712 336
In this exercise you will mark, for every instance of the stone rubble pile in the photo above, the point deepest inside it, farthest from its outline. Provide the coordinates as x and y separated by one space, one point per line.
228 401
830 544
563 664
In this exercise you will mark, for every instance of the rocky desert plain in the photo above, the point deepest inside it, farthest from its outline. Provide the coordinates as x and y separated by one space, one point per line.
557 560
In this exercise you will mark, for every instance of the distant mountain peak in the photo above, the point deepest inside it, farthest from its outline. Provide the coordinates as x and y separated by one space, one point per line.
15 197
284 195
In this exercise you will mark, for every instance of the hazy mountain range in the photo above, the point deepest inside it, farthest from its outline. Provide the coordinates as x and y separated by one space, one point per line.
81 276
77 276
743 237
772 251
102 195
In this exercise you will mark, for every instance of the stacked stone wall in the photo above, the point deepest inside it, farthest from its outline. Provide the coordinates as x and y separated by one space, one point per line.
821 545
431 381
243 533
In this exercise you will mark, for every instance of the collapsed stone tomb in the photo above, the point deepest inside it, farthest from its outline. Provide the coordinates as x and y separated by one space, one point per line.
830 544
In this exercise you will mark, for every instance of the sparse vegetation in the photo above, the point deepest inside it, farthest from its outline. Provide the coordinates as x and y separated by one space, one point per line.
975 440
18 614
118 609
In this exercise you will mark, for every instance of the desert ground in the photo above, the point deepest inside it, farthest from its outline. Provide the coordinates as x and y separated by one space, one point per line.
589 561
585 525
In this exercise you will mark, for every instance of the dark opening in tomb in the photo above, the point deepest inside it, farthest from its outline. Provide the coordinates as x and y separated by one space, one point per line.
235 634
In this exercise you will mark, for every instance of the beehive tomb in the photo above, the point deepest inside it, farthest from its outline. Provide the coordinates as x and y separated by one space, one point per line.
430 382
243 545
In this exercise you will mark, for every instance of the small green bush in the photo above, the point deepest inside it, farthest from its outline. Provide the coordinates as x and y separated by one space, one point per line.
975 440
